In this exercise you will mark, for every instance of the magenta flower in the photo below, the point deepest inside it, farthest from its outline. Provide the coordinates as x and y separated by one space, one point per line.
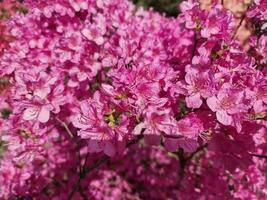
98 121
157 123
226 103
219 23
189 129
37 112
199 86
84 80
96 31
79 5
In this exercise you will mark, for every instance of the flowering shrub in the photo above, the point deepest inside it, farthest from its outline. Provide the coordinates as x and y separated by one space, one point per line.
7 9
103 100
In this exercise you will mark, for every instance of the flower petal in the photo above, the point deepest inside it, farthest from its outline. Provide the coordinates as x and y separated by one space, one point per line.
109 149
43 115
79 121
224 118
30 113
212 102
193 101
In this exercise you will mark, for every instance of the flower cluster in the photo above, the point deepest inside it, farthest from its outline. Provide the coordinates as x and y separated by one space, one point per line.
7 9
91 82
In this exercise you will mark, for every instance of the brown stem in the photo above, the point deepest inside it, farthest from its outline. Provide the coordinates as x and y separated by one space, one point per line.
239 25
240 22
65 126
257 155
197 151
84 171
195 46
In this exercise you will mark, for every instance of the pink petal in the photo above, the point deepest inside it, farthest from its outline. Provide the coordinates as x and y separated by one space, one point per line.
80 121
196 60
171 144
94 146
83 4
82 76
99 40
137 130
87 33
190 77
109 149
188 145
108 89
205 33
30 113
224 118
193 101
43 115
86 109
212 102
42 93
258 106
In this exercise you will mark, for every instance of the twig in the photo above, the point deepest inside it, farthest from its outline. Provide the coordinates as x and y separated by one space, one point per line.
99 162
239 25
195 152
82 174
173 136
75 188
195 46
257 155
65 126
183 160
240 22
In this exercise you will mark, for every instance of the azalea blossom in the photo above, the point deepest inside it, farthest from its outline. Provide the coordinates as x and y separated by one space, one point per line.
105 99
225 104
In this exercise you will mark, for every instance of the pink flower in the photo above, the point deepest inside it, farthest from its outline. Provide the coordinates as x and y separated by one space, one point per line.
157 123
96 31
40 113
189 129
99 121
258 10
199 85
203 57
219 23
226 103
79 5
37 109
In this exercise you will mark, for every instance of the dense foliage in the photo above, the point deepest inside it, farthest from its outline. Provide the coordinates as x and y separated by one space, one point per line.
100 99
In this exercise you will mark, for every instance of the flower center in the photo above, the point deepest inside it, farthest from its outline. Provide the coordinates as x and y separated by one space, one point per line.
112 118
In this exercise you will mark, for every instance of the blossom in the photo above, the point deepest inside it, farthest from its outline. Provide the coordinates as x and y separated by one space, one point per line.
100 122
37 112
157 122
95 33
199 85
218 22
174 101
225 104
189 129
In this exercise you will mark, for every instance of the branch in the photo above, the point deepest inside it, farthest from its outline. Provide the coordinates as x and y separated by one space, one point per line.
65 126
173 136
257 155
196 151
84 171
240 22
239 25
195 46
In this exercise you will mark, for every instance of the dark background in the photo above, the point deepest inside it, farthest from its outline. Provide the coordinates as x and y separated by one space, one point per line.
170 7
